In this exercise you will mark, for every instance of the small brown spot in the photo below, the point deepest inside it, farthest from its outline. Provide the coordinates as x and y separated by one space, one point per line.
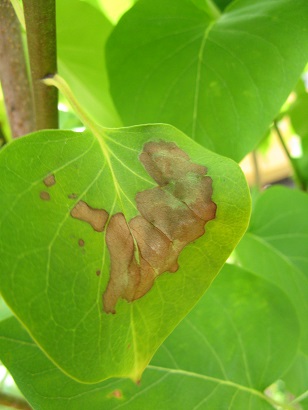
72 196
117 394
97 218
128 346
80 242
44 196
98 272
50 180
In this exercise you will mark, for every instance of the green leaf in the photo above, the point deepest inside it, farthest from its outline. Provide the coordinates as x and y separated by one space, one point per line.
298 115
5 132
222 356
49 260
302 161
222 4
4 310
221 80
279 218
296 379
81 35
276 246
114 9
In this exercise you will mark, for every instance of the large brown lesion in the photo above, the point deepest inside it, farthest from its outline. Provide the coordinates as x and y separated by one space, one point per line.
172 215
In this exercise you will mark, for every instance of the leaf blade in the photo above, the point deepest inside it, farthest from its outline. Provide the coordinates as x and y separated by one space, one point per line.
61 270
208 377
181 67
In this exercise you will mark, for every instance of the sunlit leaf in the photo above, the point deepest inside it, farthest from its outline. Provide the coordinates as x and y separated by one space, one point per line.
221 78
299 111
55 266
209 362
276 246
82 32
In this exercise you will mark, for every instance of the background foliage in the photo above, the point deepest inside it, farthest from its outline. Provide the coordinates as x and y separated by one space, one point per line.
219 71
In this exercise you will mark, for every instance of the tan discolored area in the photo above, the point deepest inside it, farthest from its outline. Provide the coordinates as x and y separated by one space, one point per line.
169 215
97 218
44 196
117 394
165 161
124 269
81 242
172 215
50 180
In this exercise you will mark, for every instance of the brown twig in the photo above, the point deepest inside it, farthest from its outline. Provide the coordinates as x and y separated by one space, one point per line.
13 73
40 18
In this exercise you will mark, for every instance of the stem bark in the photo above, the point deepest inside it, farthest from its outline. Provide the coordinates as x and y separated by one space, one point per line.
13 73
40 19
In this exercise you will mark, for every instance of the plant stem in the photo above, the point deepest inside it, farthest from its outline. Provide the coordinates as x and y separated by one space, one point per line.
58 82
298 178
14 402
19 13
13 73
40 18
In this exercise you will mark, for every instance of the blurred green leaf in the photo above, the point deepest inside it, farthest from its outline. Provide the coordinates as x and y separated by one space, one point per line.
82 32
4 310
296 378
49 280
68 120
276 246
298 113
221 80
113 9
222 356
5 132
222 4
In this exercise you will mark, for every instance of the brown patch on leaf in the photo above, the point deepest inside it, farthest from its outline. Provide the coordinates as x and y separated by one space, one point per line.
117 394
44 196
81 242
50 180
123 264
72 196
98 272
97 218
172 215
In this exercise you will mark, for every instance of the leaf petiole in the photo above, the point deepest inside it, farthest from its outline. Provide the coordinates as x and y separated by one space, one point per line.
57 81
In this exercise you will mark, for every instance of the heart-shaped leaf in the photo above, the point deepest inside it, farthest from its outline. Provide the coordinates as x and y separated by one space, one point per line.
65 195
276 246
221 78
224 355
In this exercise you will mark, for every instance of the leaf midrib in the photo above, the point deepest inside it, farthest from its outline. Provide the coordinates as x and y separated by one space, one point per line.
221 382
186 373
197 86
